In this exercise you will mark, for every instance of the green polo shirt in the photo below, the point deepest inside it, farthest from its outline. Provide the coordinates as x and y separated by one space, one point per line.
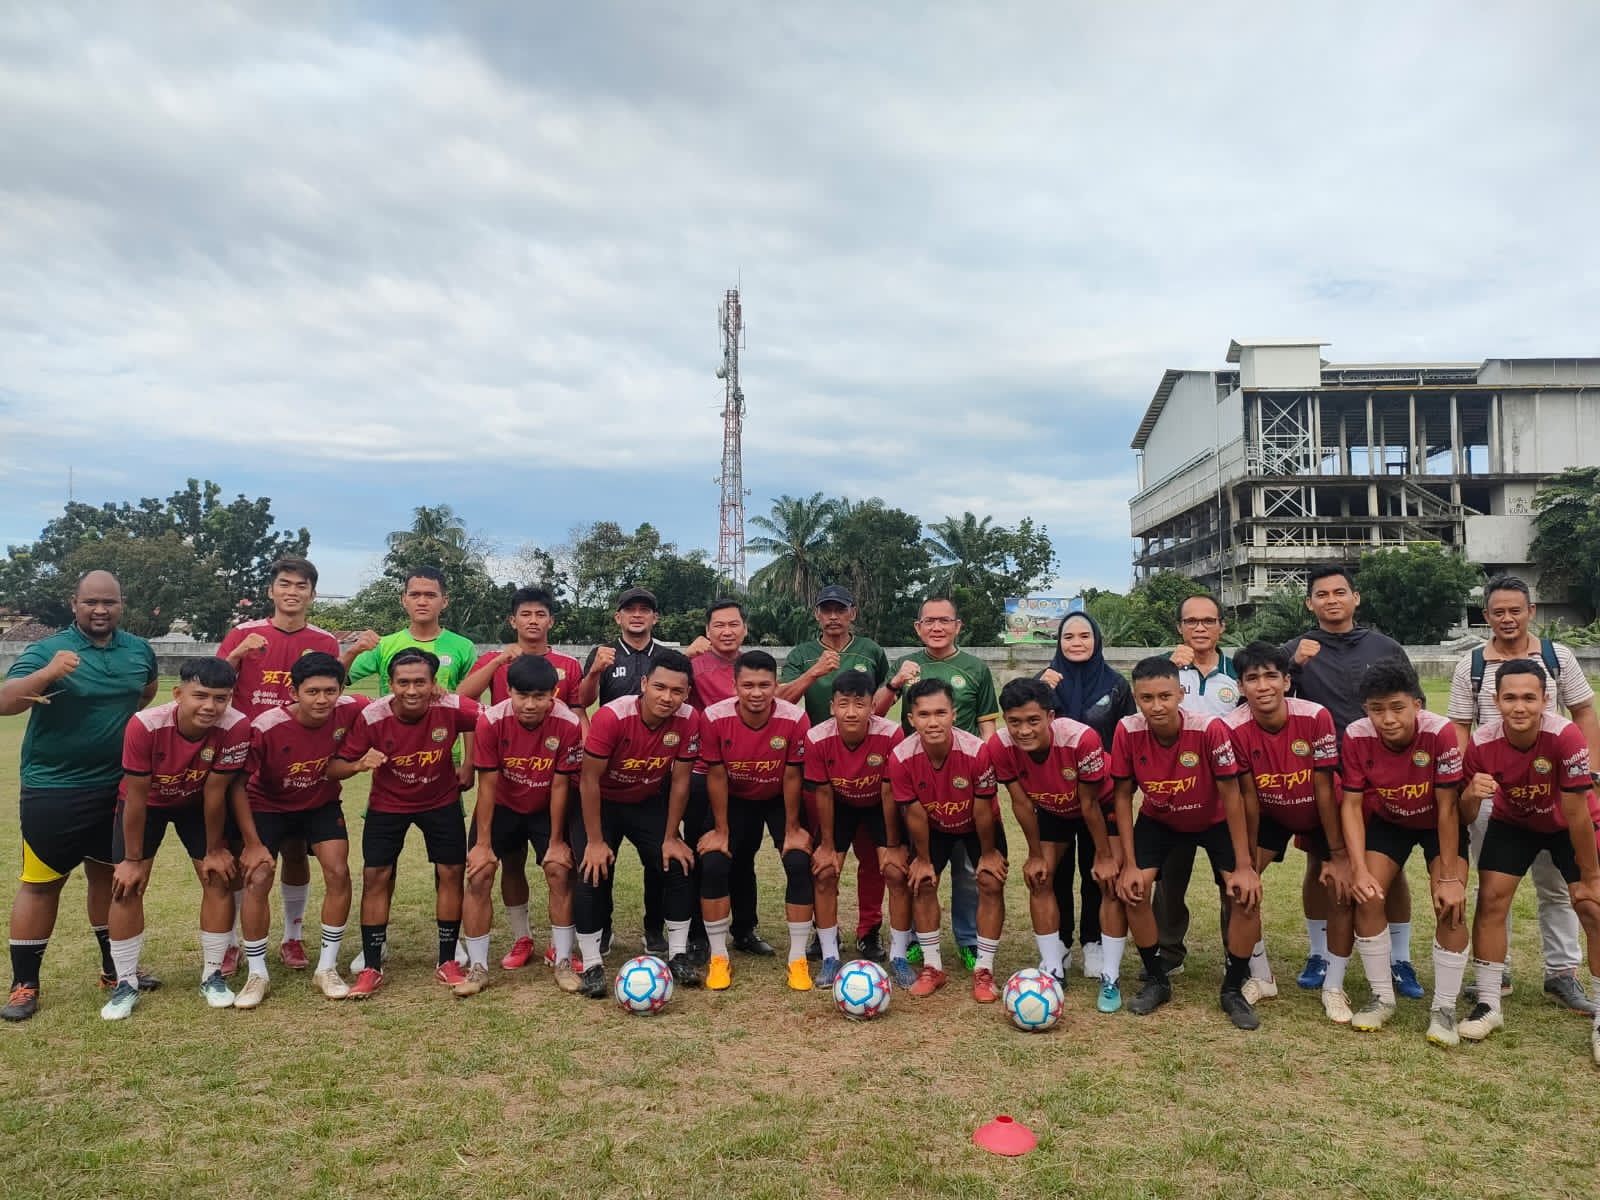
859 654
456 656
968 676
75 741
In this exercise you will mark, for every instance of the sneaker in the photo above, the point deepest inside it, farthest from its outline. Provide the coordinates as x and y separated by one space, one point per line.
147 982
23 1002
827 972
914 954
331 983
450 973
1091 961
477 979
983 986
686 972
814 949
1405 980
1174 969
700 951
1110 999
1442 1028
1256 990
567 977
521 954
255 990
1061 977
929 981
719 974
1313 973
1372 1016
292 954
122 1003
214 988
969 957
1336 1006
752 942
232 960
1239 1010
550 958
366 983
1481 1022
358 964
594 983
799 976
1564 989
870 946
655 941
902 972
1150 997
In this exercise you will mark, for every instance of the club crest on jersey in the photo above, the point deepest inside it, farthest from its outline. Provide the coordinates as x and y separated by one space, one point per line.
1069 773
960 781
671 739
1189 758
208 754
958 681
551 742
1541 765
874 760
561 673
1226 694
338 735
1300 747
445 660
778 743
858 666
1421 758
438 733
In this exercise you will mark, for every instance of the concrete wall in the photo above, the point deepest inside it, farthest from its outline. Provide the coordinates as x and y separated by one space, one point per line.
1280 366
1193 420
1547 432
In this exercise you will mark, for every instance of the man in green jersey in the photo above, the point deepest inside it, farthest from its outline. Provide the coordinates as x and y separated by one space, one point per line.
977 711
79 689
807 679
424 600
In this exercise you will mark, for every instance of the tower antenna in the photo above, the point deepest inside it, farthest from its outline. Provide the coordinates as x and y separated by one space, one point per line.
730 537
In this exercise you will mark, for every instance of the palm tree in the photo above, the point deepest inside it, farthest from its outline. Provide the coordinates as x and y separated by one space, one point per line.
794 535
966 553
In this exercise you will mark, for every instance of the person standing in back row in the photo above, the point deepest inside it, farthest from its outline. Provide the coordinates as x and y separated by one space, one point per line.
1329 662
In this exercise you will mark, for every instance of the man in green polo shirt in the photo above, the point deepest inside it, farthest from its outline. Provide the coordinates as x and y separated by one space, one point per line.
807 679
79 688
424 600
977 711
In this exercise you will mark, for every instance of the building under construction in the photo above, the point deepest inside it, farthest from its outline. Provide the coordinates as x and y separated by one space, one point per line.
1249 474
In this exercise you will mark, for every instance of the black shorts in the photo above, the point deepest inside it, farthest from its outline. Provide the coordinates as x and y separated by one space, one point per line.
1272 836
311 826
942 844
1154 842
1053 827
63 826
1397 842
849 820
1510 850
189 823
512 832
444 833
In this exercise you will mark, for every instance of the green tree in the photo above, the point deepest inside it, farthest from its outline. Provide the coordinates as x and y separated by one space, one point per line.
1164 594
1278 618
795 536
1566 541
163 581
877 552
1129 620
1415 595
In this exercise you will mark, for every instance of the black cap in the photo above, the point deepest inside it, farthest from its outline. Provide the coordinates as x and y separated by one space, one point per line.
834 594
637 593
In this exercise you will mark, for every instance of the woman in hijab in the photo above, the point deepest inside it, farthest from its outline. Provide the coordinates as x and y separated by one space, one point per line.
1088 690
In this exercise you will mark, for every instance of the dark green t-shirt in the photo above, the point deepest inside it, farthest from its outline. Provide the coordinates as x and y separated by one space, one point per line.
859 654
968 676
75 741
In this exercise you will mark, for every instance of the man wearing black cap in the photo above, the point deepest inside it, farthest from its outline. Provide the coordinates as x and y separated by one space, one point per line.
807 679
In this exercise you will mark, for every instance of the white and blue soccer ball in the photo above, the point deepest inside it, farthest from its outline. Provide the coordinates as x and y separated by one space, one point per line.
644 985
862 990
1033 1000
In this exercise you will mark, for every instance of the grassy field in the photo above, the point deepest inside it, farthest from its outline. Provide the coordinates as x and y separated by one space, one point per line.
758 1091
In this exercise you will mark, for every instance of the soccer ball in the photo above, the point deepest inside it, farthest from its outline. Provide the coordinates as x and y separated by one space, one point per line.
1033 1000
644 985
862 990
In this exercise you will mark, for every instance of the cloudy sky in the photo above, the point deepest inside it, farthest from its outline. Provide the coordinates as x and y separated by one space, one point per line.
365 257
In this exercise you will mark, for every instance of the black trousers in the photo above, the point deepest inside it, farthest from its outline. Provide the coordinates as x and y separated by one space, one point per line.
645 825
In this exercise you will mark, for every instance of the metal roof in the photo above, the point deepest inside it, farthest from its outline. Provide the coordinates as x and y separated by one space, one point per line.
1169 380
1239 344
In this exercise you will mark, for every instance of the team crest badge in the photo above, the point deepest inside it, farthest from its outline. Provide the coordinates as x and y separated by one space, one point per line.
550 743
1300 747
858 667
1421 758
960 781
1226 694
874 760
445 660
778 743
338 735
1069 773
1542 765
671 739
207 754
561 673
958 681
439 734
1189 758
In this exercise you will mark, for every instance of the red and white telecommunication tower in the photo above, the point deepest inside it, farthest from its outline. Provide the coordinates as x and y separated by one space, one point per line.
730 539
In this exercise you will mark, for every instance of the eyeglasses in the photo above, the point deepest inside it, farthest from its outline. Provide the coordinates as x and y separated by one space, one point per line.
938 621
1200 622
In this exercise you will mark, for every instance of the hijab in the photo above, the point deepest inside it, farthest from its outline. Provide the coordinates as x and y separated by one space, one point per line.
1082 683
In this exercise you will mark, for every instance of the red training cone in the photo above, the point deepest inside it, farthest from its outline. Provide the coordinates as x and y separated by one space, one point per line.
1003 1135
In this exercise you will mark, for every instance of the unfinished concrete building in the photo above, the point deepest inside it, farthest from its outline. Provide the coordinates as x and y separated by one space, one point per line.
1250 473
